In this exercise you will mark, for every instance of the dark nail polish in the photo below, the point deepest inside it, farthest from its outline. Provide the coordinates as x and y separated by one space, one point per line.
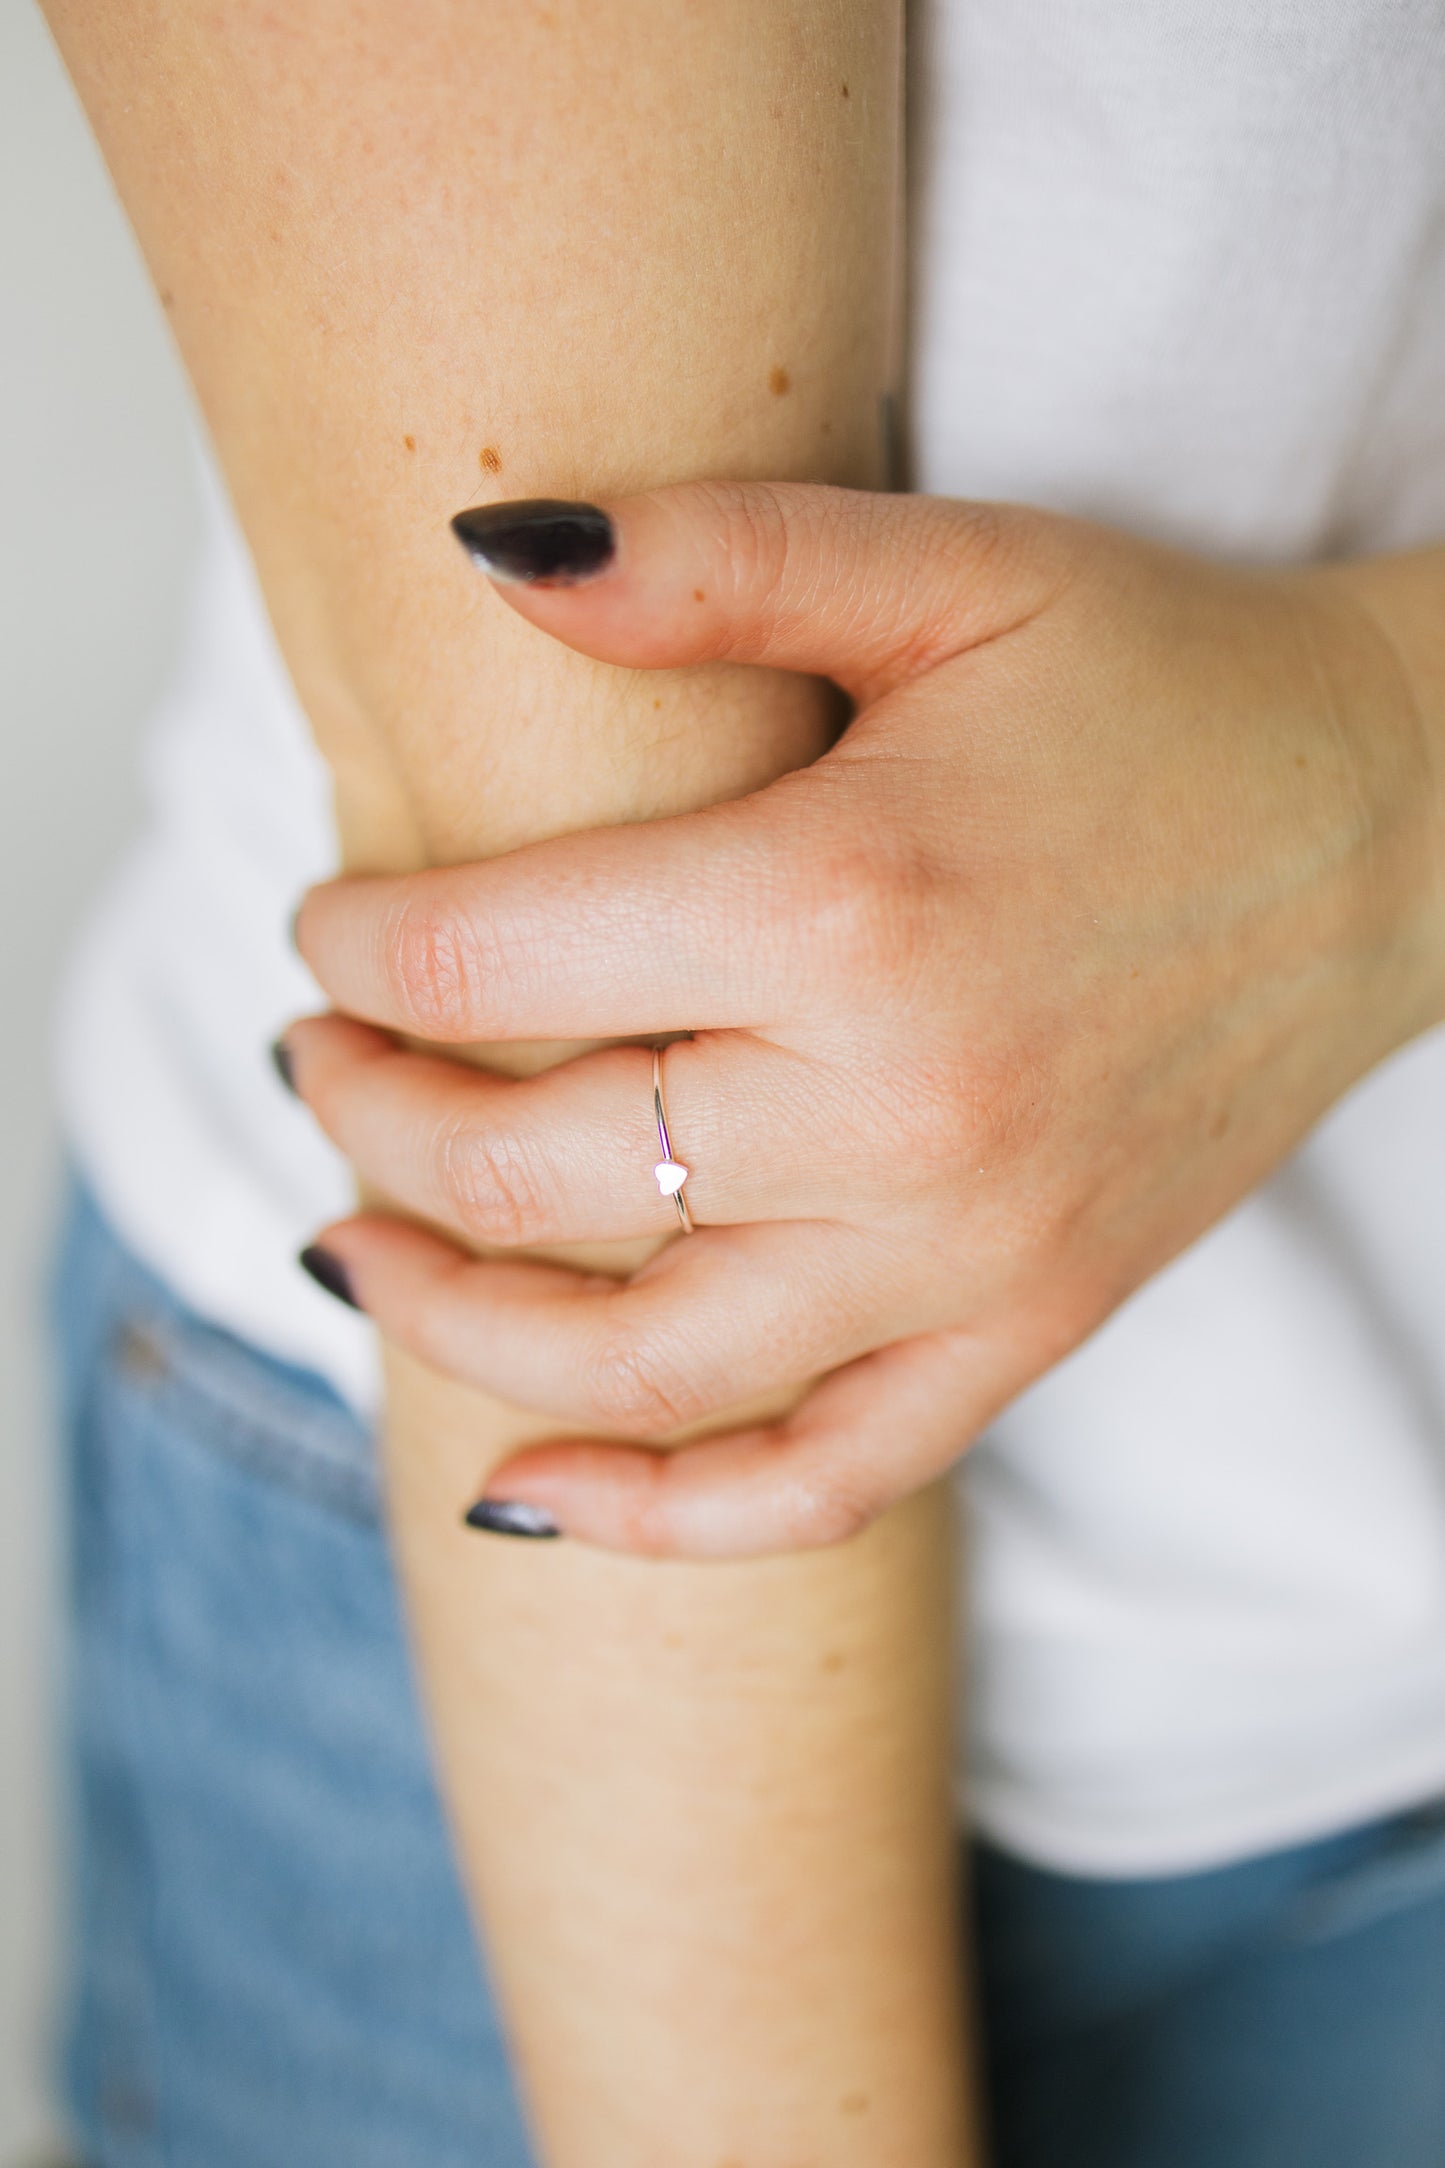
504 1517
541 541
328 1272
281 1062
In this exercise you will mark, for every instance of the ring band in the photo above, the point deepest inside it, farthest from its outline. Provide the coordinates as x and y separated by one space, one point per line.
669 1172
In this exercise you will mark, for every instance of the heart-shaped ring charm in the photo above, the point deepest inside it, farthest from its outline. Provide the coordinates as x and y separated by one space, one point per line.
671 1174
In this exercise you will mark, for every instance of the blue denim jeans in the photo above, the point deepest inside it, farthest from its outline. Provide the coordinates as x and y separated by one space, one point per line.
271 1961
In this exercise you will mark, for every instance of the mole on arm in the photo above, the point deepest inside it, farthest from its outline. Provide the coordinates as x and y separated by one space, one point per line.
410 443
779 382
490 459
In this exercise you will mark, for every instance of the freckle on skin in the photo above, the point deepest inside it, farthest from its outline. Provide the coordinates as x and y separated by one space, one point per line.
779 382
845 90
168 299
835 1660
854 2103
410 443
698 595
490 459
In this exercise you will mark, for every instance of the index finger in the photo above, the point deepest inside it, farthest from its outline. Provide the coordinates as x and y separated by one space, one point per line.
700 920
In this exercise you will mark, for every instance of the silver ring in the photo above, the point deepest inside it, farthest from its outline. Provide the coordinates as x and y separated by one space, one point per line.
669 1172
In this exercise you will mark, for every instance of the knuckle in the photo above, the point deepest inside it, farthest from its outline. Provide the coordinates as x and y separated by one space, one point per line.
859 915
979 567
494 1186
969 546
980 1112
948 1120
433 970
633 1386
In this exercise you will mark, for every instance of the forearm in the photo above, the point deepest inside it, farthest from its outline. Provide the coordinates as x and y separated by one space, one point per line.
704 1814
704 1810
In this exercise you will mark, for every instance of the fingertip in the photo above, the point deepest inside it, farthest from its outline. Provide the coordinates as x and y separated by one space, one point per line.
384 1266
593 1491
726 1498
624 583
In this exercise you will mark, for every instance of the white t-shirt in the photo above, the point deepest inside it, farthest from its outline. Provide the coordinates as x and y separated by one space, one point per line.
1180 266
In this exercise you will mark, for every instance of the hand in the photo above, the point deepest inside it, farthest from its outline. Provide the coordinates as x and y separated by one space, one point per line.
1120 875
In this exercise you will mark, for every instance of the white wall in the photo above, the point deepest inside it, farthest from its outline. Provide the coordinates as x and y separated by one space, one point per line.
96 519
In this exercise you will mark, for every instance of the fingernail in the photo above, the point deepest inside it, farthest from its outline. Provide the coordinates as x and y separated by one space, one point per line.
540 541
505 1517
328 1272
281 1063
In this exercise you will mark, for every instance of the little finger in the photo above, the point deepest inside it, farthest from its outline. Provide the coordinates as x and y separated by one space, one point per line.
867 1436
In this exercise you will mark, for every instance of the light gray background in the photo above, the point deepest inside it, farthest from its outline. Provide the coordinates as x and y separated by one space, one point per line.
97 520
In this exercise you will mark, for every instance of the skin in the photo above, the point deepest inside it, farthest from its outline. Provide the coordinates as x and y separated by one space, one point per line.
1128 867
412 262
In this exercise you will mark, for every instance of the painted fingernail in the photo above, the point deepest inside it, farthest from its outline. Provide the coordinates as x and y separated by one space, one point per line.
281 1062
505 1517
539 541
328 1272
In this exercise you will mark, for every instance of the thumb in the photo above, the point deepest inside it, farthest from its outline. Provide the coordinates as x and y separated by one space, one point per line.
863 588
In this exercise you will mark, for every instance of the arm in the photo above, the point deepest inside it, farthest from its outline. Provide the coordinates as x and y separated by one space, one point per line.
415 257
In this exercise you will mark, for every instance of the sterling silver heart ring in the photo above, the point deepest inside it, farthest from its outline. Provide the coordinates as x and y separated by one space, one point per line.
670 1172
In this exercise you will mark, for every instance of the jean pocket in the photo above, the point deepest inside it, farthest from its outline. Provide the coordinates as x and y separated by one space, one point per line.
1407 1869
282 1424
